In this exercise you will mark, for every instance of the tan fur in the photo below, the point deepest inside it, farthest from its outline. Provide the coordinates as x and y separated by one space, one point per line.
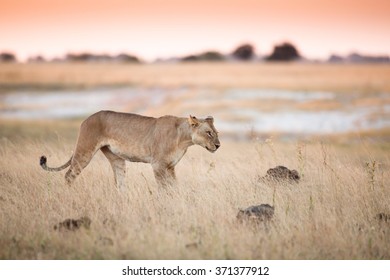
162 142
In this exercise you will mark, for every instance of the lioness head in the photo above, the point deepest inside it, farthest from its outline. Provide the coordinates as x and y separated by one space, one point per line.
204 133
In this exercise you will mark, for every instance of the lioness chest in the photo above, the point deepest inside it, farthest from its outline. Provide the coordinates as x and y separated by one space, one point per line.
175 156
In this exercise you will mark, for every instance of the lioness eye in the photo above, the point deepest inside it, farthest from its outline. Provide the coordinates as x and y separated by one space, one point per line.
209 134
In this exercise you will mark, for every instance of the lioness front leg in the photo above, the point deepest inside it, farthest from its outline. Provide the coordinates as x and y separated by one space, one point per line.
171 173
165 176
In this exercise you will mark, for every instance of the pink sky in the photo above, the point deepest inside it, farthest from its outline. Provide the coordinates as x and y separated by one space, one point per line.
164 28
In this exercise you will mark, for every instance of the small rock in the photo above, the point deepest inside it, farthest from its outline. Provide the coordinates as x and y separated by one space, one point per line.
383 217
282 174
259 213
193 245
71 224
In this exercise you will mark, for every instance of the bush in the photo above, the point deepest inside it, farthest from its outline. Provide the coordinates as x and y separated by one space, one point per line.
7 57
211 55
79 57
190 58
87 57
206 56
284 52
244 52
123 57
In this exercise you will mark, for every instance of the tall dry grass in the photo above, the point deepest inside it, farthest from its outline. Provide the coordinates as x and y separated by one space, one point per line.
329 215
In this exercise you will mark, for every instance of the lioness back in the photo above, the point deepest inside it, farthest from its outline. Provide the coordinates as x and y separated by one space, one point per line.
118 126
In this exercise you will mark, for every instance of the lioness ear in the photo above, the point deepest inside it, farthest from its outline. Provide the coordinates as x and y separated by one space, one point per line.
210 119
193 121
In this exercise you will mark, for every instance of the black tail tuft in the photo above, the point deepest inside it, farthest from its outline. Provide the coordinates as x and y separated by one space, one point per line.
42 160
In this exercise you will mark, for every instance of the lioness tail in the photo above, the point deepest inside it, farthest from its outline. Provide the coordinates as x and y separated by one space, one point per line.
43 160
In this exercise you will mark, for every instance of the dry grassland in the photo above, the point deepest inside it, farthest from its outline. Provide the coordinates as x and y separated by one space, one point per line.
330 214
362 78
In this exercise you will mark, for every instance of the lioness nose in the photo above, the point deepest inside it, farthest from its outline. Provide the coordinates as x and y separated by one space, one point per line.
217 146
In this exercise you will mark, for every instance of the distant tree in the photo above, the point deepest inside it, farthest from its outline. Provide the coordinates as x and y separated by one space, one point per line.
82 57
190 58
206 56
123 57
7 57
244 52
89 57
284 52
212 56
35 59
360 58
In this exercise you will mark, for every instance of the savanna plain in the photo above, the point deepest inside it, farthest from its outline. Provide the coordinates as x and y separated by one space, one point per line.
340 209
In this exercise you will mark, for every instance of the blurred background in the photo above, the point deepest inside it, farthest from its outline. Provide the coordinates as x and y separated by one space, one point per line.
283 68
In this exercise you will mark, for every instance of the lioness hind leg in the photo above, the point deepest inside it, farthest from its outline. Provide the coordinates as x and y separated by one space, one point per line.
86 147
118 166
79 161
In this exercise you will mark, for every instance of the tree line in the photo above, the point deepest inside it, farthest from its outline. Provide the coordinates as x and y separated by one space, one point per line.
246 52
243 52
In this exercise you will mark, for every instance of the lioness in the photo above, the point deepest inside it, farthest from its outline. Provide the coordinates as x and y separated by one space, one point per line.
162 142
